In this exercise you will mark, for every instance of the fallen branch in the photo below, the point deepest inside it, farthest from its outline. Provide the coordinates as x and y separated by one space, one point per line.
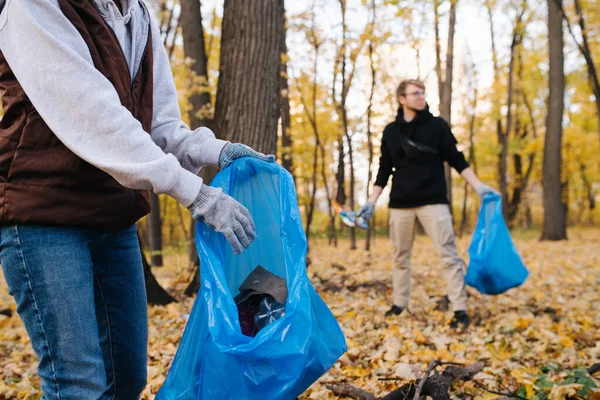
593 369
508 395
435 386
430 368
346 390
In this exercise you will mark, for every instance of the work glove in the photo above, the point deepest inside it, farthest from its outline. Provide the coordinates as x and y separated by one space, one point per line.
225 215
483 190
367 210
233 151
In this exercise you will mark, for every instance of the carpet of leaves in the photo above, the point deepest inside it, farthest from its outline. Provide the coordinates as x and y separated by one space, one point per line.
535 341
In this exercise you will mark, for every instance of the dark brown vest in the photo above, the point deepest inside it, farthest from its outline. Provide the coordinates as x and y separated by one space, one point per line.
41 180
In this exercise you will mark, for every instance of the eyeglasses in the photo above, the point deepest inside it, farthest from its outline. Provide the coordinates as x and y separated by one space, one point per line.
420 93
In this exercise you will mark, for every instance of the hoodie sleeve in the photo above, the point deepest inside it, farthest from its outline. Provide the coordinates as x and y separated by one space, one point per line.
194 149
385 164
448 149
53 65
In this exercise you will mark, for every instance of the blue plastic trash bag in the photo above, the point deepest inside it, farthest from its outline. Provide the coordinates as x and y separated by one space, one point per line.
495 265
214 359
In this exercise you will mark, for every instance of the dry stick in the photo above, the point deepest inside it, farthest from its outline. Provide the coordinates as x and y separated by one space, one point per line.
510 395
430 368
351 391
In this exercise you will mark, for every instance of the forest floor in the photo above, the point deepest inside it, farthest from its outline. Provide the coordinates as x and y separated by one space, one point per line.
535 340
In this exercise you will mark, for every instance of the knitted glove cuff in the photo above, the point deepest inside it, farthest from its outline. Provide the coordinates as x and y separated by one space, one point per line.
206 199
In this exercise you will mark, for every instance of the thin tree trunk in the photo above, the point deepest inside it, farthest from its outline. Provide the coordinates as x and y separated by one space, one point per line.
171 48
340 176
312 116
331 211
194 49
438 49
369 116
471 160
155 294
445 78
166 28
344 95
503 136
521 179
586 51
589 190
555 224
155 231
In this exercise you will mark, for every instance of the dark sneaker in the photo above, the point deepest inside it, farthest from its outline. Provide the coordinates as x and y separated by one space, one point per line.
460 320
395 310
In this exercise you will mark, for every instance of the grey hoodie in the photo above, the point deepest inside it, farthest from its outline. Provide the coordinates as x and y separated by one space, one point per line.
53 65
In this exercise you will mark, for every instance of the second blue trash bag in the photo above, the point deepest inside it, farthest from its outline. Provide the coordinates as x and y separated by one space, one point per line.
495 265
214 359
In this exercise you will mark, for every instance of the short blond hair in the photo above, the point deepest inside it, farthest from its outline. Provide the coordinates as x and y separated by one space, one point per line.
401 91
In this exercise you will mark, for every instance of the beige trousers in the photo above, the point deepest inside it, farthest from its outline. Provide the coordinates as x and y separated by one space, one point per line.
437 222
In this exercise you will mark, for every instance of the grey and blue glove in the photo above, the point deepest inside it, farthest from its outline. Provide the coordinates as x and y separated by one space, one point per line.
483 190
233 151
225 215
366 210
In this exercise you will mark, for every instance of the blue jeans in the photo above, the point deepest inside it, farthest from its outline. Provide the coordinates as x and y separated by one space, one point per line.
81 295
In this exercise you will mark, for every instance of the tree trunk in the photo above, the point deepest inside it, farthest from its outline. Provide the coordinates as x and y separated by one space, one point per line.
346 81
286 138
586 51
248 98
471 160
155 294
589 190
194 49
330 209
503 136
340 176
155 231
555 227
521 177
445 82
369 116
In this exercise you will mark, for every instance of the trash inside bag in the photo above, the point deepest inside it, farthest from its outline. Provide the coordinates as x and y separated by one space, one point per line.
291 338
495 265
261 300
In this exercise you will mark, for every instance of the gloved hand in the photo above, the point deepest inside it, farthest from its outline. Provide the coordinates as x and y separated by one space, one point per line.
484 189
366 210
233 151
225 215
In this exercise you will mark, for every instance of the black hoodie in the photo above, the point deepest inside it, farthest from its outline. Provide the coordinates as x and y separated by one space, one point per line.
414 153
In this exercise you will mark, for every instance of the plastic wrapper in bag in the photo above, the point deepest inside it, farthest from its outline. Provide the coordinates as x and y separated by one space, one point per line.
495 265
214 359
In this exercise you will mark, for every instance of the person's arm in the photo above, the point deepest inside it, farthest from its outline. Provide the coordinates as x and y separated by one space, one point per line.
383 175
194 149
473 180
457 160
375 194
80 105
82 108
449 151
